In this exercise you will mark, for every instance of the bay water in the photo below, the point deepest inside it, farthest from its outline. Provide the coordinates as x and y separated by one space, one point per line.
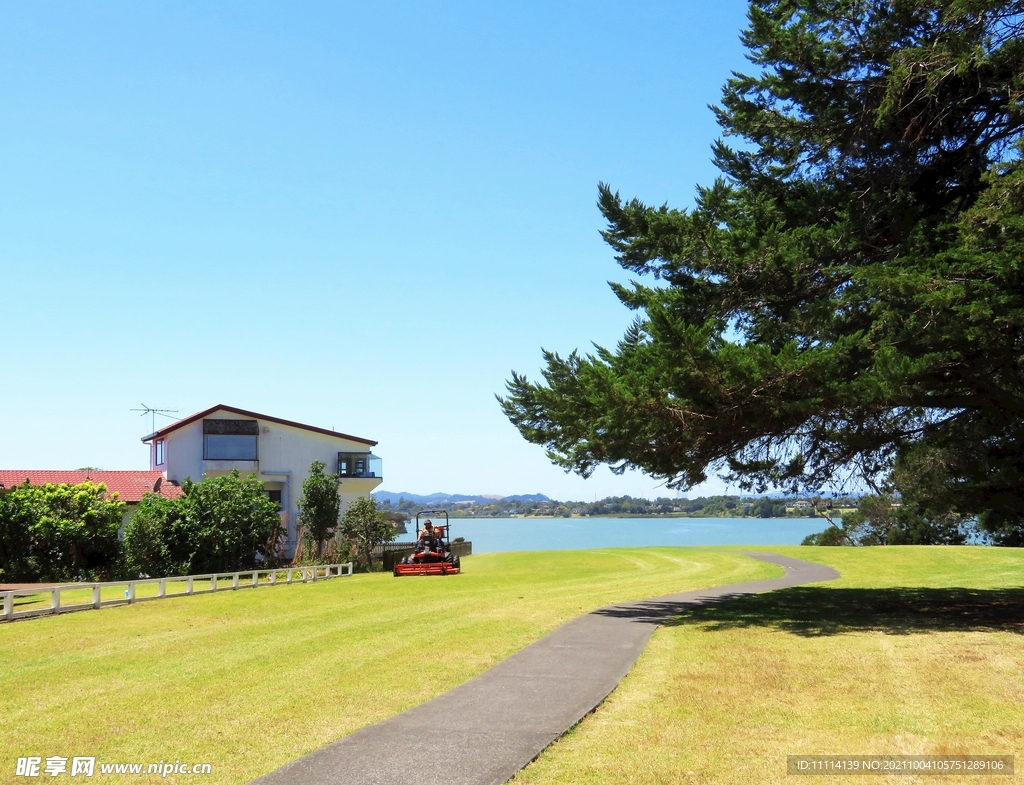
489 535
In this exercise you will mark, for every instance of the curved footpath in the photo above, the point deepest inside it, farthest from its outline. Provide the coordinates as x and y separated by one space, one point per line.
484 731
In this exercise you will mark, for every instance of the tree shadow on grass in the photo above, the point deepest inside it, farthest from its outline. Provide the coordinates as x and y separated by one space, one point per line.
812 611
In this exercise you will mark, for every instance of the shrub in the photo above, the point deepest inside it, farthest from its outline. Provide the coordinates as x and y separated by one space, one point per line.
367 528
319 506
219 525
16 518
59 532
145 550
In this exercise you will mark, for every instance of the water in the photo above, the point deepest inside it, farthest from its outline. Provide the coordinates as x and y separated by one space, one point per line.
554 534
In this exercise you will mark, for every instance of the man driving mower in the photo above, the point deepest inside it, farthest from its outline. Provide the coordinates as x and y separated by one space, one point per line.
432 555
429 547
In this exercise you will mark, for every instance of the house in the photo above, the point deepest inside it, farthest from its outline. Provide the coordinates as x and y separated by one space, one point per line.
221 439
130 486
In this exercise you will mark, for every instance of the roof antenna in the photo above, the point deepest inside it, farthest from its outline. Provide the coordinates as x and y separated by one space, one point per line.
153 413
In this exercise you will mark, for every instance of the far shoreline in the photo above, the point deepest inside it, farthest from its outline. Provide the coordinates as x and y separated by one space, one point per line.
641 515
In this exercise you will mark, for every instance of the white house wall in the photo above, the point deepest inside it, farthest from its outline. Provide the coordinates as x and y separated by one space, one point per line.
284 455
183 453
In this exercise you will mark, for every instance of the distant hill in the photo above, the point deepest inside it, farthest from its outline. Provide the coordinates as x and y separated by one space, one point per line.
452 498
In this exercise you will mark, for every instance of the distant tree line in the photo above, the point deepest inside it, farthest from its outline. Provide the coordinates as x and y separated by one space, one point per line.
701 507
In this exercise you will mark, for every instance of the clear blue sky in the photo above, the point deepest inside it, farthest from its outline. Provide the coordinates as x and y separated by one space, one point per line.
355 215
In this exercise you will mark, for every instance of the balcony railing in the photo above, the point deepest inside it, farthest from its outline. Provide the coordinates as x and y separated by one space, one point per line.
359 464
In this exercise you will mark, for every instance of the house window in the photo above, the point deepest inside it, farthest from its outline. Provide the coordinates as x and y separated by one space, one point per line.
275 497
159 447
230 440
353 464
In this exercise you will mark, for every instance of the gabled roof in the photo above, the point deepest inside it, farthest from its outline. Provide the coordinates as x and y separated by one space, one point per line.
130 486
221 407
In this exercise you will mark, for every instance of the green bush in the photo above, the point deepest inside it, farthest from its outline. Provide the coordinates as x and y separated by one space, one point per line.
218 525
886 520
831 536
145 549
319 507
366 527
59 532
16 516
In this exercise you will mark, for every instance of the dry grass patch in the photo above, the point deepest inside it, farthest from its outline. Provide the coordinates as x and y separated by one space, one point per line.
913 651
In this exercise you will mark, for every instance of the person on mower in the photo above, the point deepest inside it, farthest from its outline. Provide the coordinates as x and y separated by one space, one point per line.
438 551
428 546
428 541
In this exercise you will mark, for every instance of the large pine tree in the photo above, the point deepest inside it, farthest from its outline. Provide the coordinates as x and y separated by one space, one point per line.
847 301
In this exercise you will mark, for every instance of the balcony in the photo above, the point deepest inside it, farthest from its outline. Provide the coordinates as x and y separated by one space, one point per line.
361 465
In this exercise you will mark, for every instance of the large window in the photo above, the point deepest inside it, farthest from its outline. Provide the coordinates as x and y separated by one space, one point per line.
159 447
354 464
230 440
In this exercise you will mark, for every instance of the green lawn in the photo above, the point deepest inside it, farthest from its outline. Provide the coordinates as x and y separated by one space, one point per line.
250 680
915 650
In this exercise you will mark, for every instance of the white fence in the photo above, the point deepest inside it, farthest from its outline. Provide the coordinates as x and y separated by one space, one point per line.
87 596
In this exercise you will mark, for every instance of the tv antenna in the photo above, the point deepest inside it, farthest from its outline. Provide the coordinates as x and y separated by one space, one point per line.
153 413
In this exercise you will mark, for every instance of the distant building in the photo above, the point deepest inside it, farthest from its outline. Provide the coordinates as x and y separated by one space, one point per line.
221 439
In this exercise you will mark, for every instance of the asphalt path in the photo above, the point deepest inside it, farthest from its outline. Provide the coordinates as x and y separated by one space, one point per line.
484 731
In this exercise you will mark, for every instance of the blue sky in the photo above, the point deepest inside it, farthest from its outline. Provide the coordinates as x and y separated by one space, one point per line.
360 216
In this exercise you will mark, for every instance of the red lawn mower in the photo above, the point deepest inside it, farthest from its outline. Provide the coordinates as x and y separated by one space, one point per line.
433 555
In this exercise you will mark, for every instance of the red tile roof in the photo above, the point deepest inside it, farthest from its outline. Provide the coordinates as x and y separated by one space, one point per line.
244 413
129 485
